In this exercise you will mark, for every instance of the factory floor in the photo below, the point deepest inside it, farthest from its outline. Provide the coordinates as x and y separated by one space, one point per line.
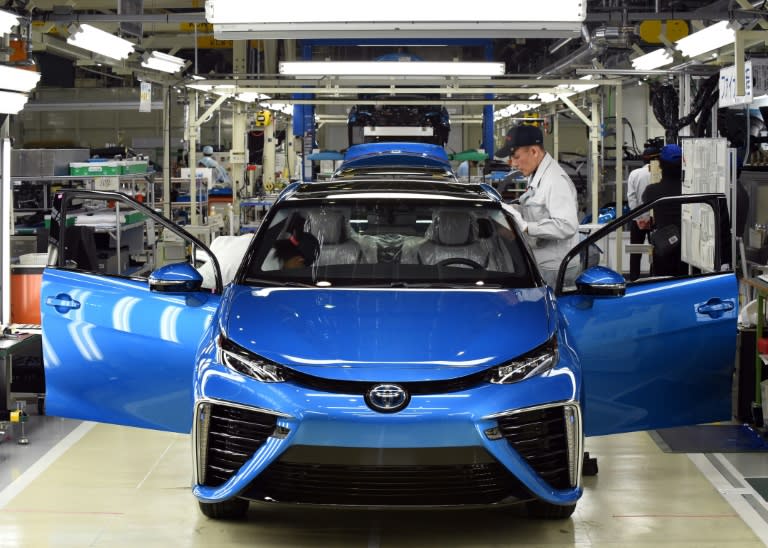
93 485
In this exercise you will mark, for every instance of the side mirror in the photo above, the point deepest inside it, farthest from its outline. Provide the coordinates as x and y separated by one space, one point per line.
600 280
175 278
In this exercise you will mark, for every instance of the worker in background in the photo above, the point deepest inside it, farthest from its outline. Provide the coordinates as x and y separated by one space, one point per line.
666 219
548 210
465 169
220 174
637 181
298 251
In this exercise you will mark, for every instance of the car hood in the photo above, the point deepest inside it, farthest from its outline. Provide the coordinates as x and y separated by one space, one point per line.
354 334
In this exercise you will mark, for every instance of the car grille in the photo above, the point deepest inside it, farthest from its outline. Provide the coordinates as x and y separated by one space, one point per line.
539 437
234 435
391 477
361 387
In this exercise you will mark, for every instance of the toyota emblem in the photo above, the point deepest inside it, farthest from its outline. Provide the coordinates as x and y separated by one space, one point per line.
387 398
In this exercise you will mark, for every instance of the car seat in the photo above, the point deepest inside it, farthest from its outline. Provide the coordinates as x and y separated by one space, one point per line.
336 246
453 235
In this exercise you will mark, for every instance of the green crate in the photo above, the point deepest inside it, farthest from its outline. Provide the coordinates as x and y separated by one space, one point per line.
130 166
70 221
95 168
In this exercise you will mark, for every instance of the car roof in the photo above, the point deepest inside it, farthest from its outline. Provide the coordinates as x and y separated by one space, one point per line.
360 187
395 154
389 172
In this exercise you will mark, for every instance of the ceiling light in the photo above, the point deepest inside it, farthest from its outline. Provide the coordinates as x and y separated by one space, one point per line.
8 20
712 37
229 90
653 60
98 41
18 79
390 68
235 19
163 62
251 97
12 103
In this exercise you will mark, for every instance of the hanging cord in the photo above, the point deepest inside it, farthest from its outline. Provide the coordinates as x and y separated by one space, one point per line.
665 103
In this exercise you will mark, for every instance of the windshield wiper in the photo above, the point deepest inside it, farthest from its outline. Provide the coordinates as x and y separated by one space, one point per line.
443 285
278 283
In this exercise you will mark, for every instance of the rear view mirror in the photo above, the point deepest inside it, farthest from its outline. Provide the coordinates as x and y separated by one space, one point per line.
175 278
600 280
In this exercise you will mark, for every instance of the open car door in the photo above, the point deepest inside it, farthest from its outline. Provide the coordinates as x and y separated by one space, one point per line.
122 322
658 351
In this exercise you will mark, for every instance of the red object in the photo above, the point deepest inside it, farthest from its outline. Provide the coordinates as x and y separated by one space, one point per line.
762 345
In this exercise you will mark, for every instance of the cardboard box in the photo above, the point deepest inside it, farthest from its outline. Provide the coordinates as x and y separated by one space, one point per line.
112 262
43 162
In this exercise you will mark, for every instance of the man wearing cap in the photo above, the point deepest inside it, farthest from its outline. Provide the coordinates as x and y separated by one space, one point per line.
208 161
666 218
637 181
548 213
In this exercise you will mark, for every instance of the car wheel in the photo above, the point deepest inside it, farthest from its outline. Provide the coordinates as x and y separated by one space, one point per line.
538 509
228 509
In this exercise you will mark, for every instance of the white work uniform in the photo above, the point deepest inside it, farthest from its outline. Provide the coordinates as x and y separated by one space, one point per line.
220 173
549 207
637 180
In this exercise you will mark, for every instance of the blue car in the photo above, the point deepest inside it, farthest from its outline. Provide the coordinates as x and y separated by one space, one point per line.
396 160
382 343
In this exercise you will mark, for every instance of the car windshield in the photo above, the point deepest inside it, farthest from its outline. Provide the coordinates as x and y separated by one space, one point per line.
386 242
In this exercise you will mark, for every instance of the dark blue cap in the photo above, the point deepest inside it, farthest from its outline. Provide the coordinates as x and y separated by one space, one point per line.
520 136
671 154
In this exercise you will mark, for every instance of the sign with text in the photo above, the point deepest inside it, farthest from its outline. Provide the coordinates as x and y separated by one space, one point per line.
755 83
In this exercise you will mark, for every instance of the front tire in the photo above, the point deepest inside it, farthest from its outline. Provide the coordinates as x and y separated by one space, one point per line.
538 509
231 509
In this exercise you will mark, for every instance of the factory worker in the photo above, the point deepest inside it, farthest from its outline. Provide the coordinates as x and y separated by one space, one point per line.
221 175
548 210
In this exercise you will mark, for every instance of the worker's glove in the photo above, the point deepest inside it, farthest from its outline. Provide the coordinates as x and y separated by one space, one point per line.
512 210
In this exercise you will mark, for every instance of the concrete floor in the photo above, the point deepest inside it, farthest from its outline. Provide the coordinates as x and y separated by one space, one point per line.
93 485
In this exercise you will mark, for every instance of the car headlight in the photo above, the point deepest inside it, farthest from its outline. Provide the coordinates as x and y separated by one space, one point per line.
535 362
241 360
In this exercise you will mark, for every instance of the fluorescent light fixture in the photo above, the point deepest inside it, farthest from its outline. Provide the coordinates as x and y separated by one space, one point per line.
18 79
235 19
712 37
98 41
12 103
578 88
229 90
390 68
279 107
251 97
653 60
163 62
8 20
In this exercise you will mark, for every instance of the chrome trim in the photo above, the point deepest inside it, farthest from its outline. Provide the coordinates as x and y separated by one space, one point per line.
195 427
509 412
579 433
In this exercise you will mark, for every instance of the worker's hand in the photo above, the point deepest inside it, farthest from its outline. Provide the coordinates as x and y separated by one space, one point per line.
512 210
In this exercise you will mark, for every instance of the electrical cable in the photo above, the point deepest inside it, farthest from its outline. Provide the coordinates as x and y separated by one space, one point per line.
665 103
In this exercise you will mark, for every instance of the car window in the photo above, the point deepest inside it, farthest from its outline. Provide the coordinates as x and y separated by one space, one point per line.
115 237
389 242
671 240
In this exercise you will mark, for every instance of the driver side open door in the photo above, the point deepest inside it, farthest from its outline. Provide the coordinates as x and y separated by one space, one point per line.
121 330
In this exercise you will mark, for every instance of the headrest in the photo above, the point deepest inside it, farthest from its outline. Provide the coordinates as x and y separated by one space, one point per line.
453 228
328 226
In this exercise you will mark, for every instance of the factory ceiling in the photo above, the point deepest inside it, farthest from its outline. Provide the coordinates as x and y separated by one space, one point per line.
613 32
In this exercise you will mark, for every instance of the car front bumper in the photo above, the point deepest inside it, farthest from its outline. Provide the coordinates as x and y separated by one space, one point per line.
489 444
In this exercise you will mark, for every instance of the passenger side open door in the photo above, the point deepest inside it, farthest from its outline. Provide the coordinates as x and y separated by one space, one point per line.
659 351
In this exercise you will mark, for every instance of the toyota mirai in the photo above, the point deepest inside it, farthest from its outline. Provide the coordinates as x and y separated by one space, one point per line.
380 343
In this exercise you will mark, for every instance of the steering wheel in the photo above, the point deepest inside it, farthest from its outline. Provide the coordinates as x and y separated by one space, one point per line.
459 260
